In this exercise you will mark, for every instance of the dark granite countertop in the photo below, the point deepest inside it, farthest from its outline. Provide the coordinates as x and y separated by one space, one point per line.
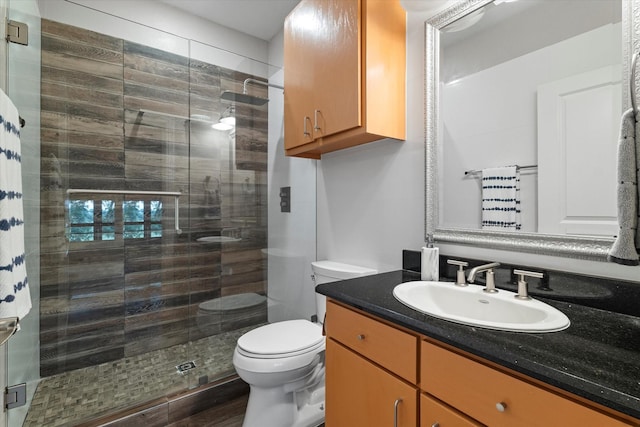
597 357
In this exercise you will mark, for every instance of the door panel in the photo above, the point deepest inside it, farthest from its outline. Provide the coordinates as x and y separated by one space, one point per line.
576 127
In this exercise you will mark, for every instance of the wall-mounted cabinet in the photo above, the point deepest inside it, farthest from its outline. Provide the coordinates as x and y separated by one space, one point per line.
344 74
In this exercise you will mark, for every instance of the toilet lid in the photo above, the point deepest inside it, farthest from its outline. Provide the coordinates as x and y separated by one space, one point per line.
281 338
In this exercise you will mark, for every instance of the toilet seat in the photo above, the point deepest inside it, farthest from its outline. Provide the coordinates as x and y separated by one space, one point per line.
313 349
280 347
281 340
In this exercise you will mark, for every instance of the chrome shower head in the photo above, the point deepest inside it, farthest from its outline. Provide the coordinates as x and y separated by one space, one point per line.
243 98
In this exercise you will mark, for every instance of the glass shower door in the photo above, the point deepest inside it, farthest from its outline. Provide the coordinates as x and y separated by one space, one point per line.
23 87
228 209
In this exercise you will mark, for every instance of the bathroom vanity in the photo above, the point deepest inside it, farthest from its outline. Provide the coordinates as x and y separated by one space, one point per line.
387 363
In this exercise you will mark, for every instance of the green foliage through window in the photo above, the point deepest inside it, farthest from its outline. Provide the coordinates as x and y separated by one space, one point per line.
91 220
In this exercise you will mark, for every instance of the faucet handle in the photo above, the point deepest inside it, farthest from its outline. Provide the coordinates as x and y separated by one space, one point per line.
490 287
523 292
461 280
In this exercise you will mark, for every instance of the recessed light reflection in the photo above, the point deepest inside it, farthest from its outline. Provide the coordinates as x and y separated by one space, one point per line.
221 126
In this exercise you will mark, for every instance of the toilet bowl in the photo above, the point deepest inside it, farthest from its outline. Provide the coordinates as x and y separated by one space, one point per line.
283 362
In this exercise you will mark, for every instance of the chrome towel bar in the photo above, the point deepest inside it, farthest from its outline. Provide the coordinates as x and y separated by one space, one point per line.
518 167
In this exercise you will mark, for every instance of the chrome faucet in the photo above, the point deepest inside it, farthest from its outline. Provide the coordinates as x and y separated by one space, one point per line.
479 269
490 282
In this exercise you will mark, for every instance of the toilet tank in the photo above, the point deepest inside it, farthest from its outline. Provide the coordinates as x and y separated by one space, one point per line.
331 271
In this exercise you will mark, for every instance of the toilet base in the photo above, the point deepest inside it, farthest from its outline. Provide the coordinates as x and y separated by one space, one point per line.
272 407
312 413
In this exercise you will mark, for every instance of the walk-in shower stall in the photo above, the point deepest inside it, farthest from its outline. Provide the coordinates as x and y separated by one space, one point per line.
149 247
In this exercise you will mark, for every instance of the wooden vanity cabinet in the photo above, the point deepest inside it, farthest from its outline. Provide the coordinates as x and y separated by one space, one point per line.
371 365
344 74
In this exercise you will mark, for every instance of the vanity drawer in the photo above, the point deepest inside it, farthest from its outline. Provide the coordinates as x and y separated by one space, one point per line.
477 390
434 413
389 347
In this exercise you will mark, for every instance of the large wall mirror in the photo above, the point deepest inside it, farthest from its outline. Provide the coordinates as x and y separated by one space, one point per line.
536 85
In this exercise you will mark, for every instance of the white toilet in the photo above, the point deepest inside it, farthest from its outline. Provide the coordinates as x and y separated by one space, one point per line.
283 362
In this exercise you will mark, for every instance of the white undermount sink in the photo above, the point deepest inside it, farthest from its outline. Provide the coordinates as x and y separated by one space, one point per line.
469 305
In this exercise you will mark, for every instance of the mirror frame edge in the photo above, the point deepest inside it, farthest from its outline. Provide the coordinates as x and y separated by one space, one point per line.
588 248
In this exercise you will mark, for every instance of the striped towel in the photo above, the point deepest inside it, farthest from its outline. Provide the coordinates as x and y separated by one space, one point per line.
15 300
501 199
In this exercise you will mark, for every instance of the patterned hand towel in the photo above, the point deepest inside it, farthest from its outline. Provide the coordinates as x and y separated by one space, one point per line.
625 249
15 300
501 199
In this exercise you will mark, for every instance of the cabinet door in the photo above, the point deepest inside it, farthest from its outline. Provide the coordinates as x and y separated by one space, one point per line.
337 51
298 75
322 69
358 393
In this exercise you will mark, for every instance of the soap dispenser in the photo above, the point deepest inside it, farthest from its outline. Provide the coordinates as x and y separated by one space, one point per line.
430 262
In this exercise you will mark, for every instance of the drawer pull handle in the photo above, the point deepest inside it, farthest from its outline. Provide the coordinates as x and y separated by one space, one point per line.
501 406
361 337
435 425
395 412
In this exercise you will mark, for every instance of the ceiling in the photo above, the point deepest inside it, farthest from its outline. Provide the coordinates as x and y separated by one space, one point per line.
260 18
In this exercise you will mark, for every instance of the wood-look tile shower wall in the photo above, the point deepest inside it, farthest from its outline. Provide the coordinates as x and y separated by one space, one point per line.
103 300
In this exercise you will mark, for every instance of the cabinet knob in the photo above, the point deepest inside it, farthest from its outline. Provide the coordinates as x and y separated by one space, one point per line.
435 425
360 337
501 406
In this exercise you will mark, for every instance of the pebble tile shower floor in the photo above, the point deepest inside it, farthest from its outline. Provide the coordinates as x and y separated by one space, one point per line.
72 397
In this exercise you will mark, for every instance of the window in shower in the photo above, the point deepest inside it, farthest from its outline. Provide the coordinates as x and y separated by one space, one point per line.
142 219
107 228
95 220
91 220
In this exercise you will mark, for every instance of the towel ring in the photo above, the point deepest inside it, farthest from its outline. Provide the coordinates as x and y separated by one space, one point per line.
632 83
